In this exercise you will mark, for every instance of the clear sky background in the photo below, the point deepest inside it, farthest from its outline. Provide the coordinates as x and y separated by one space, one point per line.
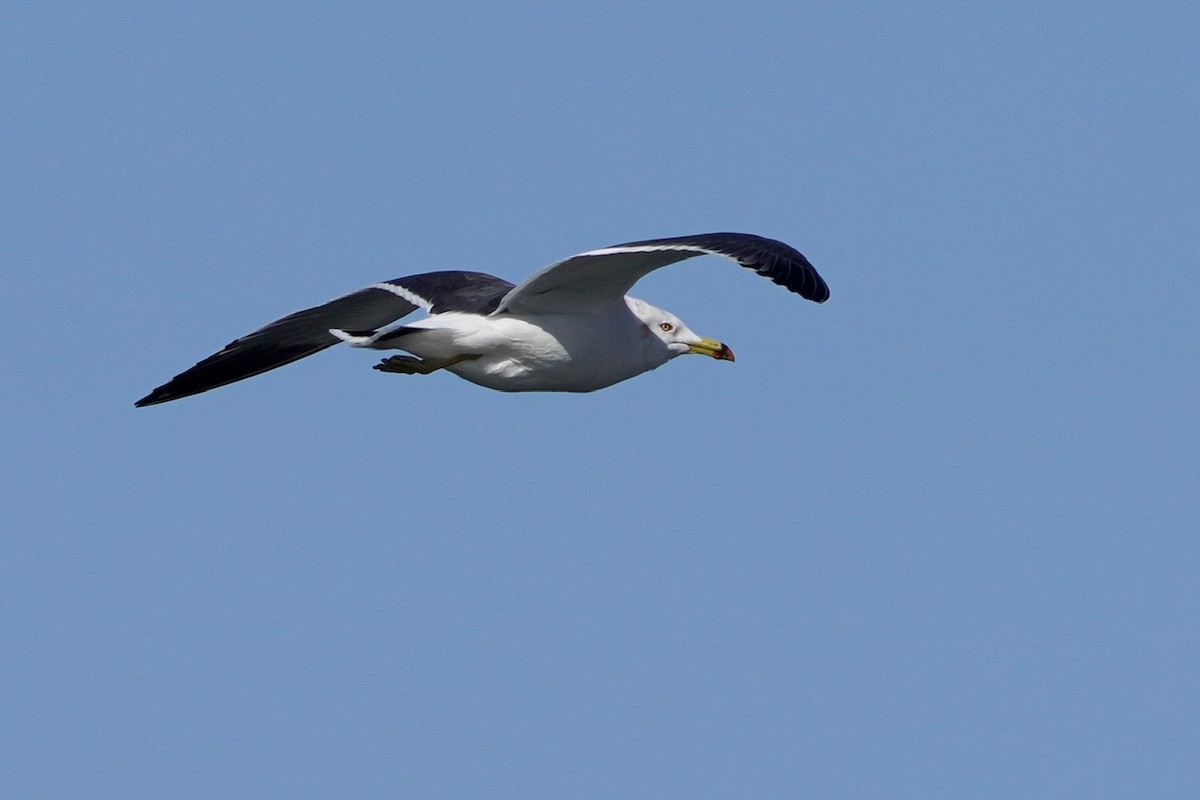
937 538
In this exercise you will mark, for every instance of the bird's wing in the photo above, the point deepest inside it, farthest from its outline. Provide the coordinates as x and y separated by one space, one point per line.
600 277
306 332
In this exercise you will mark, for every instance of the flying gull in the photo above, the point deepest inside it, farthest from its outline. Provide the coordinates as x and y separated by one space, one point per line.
568 328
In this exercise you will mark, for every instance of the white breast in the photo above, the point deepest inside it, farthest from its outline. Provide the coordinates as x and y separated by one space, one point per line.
546 353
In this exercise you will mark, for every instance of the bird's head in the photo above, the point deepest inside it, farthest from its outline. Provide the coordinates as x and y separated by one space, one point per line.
677 336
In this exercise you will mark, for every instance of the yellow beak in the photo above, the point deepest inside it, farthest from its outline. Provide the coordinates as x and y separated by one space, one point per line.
711 348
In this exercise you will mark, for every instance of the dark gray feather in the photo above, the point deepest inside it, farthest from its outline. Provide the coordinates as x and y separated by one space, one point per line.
306 332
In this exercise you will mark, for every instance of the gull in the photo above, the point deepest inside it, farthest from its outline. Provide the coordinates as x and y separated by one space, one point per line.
570 327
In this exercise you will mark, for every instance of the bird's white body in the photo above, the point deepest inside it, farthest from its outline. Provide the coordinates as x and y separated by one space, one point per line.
572 352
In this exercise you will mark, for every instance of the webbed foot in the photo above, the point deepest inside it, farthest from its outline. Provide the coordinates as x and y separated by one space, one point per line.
411 365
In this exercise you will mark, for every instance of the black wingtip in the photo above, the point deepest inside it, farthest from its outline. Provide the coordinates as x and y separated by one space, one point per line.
818 295
781 263
156 397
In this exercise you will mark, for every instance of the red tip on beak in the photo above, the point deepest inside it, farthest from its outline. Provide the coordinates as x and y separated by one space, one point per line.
724 354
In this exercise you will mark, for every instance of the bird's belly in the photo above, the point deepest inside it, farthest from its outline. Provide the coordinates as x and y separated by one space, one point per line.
507 376
519 356
541 371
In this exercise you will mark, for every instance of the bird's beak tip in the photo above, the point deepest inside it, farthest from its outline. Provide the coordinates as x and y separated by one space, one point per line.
713 349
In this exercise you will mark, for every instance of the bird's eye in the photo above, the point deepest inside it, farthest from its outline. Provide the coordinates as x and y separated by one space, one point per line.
666 327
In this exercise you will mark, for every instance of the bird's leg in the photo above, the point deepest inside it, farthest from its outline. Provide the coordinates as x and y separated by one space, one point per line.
410 365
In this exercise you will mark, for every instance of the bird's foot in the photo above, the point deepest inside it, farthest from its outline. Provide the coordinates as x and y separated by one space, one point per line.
404 365
410 365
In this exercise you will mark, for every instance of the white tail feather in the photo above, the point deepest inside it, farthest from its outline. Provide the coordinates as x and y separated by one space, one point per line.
354 340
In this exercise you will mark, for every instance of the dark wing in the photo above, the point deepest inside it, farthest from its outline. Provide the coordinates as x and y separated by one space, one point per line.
469 292
601 277
306 332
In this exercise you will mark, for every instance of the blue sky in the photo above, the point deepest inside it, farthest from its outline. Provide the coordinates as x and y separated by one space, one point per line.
934 538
